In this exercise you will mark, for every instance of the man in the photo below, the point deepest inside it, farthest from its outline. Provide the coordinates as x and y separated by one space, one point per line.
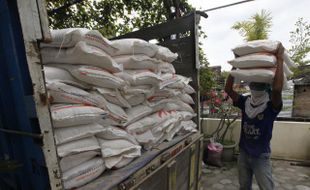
259 112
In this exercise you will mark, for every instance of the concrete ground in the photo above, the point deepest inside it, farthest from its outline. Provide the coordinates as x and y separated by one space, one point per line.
286 177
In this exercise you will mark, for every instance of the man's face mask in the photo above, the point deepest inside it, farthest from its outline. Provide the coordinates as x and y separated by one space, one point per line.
258 89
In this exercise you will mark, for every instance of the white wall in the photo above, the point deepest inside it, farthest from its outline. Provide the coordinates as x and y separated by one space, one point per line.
291 140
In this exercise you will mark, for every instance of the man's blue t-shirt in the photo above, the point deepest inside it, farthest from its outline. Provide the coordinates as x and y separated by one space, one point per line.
256 133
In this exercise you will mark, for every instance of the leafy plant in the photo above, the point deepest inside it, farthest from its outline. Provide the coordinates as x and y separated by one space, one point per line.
110 17
300 40
255 28
206 80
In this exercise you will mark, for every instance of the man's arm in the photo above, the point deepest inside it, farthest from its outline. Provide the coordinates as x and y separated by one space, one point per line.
229 89
276 96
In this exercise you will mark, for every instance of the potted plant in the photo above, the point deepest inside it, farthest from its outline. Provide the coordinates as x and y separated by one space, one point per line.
220 106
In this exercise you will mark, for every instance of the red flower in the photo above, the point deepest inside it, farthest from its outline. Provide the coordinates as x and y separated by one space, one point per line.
218 101
213 94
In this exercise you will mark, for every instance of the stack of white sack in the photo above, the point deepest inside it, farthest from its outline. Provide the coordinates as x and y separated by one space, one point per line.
75 63
130 80
157 96
75 128
118 148
256 62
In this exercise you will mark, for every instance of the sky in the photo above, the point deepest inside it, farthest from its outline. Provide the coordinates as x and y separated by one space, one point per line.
221 38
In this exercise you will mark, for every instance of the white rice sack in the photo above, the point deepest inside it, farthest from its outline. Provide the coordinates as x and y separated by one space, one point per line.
113 133
64 115
124 162
288 61
188 89
147 139
62 93
164 93
186 98
166 68
114 96
69 37
139 77
116 112
180 83
254 61
186 115
137 112
138 62
187 127
121 160
149 122
78 146
74 160
287 71
117 147
140 89
95 76
83 173
164 130
254 75
168 79
165 54
168 125
68 134
135 99
133 46
170 104
258 46
61 75
80 54
109 121
258 60
257 75
172 130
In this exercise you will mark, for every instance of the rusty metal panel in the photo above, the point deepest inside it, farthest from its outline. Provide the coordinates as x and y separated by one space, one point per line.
192 170
158 181
172 175
200 164
183 170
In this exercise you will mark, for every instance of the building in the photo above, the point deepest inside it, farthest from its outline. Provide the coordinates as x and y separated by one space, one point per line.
301 102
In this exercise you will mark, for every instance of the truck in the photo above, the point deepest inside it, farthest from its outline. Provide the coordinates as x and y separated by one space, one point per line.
28 158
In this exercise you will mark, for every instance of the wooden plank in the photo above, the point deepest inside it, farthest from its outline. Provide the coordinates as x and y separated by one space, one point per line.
29 17
46 33
31 28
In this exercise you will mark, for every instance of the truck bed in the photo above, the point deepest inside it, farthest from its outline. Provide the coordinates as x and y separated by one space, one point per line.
146 164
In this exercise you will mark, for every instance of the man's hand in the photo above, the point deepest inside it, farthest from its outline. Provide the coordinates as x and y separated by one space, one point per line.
229 88
276 97
280 52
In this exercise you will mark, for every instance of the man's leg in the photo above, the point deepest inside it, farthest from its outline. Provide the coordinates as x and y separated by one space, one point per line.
245 171
262 172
